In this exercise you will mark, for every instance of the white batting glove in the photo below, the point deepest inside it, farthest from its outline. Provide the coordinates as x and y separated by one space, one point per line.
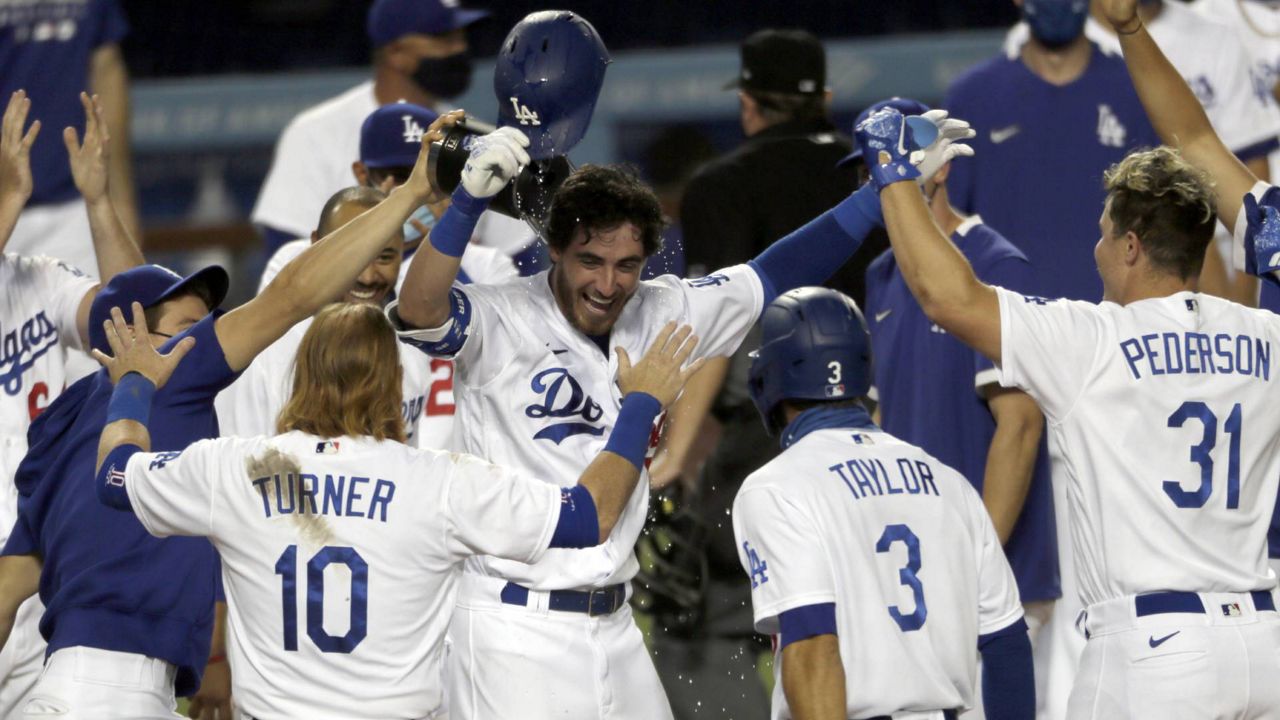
945 147
495 159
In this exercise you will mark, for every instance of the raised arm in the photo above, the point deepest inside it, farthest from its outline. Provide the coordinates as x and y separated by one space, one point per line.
109 78
15 162
137 370
326 269
1174 111
495 159
940 278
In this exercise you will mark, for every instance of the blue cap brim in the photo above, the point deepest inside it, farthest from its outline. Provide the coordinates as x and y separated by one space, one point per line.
923 133
463 18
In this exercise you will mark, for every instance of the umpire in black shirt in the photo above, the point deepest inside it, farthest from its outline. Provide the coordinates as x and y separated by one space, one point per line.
784 175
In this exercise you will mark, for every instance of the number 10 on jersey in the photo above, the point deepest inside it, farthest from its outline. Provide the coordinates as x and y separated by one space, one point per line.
287 569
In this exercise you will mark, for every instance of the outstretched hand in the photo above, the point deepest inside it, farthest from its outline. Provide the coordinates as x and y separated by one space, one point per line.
132 350
945 147
1122 14
1262 235
659 373
419 181
15 149
495 159
89 159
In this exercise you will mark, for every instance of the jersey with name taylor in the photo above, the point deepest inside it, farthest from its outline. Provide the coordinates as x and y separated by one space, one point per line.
900 543
341 557
1165 412
535 393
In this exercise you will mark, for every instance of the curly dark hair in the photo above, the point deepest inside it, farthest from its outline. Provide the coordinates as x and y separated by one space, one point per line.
601 197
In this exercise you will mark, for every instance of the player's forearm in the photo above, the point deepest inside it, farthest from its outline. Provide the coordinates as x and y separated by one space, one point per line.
109 79
11 205
327 268
424 297
611 478
686 415
940 278
114 246
813 679
1011 458
1178 118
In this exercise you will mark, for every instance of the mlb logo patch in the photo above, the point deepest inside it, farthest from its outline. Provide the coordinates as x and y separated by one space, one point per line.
1231 610
328 447
861 439
835 391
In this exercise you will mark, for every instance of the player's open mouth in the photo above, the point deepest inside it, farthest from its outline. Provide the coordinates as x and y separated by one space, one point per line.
596 306
365 294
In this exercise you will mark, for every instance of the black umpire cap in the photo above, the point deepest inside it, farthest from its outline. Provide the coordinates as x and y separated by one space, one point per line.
782 61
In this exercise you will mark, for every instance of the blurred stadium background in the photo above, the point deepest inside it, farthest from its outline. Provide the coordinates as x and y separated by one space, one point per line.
214 84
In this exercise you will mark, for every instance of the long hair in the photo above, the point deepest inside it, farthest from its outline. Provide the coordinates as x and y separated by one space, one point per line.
346 377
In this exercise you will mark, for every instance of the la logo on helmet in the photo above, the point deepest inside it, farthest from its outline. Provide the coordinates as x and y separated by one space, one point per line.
523 113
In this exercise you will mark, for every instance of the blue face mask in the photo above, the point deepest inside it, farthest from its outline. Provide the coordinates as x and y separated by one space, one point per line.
1055 23
422 215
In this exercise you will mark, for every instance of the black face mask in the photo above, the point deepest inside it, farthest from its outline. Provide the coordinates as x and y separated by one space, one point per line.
444 77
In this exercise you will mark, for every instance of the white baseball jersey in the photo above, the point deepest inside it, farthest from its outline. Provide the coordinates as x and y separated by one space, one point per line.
535 393
39 299
1257 27
1207 53
1164 411
902 545
340 559
428 382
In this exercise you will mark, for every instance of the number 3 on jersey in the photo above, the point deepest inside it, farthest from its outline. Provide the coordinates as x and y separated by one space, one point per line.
1201 454
287 568
907 576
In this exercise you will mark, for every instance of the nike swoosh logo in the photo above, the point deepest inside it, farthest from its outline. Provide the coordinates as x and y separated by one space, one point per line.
999 136
883 314
557 352
1153 642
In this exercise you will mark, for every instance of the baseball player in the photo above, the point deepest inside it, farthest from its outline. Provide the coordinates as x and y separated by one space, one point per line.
43 314
534 362
276 510
1159 400
389 141
127 616
875 565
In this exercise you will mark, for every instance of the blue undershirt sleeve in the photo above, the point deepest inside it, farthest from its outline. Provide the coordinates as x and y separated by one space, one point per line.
813 253
1008 677
805 622
578 525
111 488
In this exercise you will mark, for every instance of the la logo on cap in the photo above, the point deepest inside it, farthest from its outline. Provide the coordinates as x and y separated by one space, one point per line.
413 132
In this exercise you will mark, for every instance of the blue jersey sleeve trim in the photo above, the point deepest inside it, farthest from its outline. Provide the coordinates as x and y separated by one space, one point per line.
578 525
111 486
452 233
1008 680
811 254
459 323
631 432
805 622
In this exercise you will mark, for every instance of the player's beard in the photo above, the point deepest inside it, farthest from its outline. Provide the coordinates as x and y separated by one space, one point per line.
574 306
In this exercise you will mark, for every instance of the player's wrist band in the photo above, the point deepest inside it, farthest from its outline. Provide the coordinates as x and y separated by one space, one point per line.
452 233
630 436
893 172
131 399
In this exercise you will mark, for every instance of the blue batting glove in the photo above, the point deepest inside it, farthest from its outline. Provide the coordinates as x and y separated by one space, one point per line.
1262 236
886 147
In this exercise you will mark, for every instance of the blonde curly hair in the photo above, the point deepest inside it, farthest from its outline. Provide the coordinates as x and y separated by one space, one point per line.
1167 203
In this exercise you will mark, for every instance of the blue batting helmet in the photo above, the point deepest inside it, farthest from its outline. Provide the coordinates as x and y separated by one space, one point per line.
814 346
920 130
547 80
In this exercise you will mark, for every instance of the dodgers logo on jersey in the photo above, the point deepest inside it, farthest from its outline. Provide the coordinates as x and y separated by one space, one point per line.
757 566
21 347
563 398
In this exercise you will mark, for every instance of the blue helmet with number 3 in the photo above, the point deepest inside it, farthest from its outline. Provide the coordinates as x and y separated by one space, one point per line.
814 346
548 77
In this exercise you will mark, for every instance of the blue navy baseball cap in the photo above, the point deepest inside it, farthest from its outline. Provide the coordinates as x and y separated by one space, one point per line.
393 19
392 135
149 285
907 107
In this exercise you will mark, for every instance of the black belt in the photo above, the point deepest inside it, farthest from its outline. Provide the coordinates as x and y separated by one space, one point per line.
601 601
1189 602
